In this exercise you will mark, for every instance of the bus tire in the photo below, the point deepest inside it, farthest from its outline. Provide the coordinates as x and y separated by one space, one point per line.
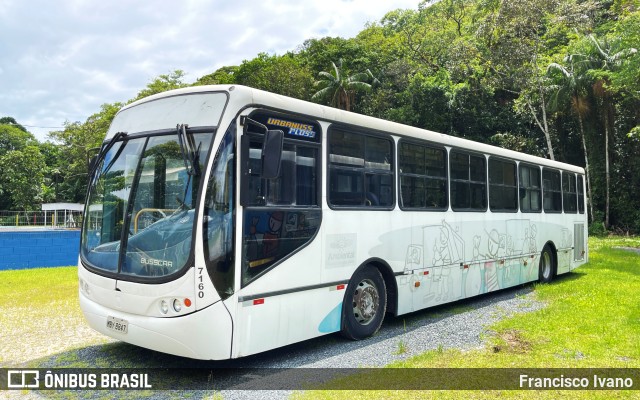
546 266
364 305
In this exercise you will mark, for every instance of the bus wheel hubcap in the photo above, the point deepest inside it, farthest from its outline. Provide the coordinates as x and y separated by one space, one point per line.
546 265
365 302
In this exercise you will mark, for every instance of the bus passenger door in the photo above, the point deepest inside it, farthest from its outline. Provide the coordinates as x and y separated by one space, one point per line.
281 216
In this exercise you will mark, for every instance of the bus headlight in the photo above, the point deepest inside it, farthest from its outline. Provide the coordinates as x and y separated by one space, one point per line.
177 305
164 307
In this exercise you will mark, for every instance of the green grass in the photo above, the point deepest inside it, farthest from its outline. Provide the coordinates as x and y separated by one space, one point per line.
592 320
34 304
38 287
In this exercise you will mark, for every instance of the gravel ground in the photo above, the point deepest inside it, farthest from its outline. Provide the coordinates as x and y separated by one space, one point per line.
461 325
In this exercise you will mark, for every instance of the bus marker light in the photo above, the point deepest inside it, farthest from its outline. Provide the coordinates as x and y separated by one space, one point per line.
258 301
187 302
164 307
425 273
340 287
466 266
416 284
177 305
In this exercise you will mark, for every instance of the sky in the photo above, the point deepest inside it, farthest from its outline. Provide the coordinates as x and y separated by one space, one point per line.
60 60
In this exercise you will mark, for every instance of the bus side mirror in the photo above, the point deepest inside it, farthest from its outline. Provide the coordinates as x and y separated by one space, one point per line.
272 154
92 163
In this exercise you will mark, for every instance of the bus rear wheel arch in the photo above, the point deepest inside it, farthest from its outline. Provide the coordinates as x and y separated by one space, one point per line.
547 265
364 304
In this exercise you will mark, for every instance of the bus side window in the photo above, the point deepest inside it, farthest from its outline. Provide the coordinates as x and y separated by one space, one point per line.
569 197
580 194
360 170
423 176
468 181
256 188
502 185
530 189
296 184
552 191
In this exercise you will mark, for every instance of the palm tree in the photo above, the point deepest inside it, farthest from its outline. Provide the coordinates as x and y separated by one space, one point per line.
339 90
606 60
574 82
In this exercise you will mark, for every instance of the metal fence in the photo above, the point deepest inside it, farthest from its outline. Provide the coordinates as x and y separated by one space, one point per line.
55 219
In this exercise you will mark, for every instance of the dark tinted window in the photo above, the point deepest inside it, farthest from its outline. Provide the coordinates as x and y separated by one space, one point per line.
468 181
423 176
530 189
569 194
552 192
360 170
295 186
580 194
502 185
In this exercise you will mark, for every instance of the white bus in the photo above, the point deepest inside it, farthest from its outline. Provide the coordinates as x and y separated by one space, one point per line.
223 221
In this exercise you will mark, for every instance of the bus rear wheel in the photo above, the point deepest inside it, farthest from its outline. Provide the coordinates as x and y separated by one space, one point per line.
545 274
364 305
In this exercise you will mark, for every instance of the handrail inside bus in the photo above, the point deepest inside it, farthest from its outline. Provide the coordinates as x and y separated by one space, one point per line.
163 211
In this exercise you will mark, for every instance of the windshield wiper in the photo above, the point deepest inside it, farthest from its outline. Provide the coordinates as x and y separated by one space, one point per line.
189 154
105 151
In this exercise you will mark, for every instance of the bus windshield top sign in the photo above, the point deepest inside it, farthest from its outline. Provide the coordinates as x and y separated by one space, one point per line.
292 127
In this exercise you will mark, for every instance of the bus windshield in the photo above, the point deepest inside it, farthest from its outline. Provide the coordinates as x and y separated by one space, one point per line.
141 205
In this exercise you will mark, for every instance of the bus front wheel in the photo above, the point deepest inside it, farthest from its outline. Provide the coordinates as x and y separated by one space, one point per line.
364 305
545 274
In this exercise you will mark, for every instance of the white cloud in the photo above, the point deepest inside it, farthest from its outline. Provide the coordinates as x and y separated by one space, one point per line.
74 55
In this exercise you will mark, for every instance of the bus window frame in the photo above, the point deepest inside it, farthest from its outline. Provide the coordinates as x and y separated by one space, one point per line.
485 156
581 193
350 129
539 168
559 172
575 181
426 144
503 160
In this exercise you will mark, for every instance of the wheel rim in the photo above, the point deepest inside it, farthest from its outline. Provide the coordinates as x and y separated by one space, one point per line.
546 265
366 302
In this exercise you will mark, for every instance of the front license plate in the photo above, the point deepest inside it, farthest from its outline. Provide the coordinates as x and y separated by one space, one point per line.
117 324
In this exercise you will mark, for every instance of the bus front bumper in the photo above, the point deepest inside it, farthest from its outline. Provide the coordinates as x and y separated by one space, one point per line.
205 334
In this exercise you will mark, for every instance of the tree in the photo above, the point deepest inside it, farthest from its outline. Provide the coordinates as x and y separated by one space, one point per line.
573 86
512 39
338 89
222 76
607 59
278 74
53 173
22 178
164 82
77 142
12 121
14 138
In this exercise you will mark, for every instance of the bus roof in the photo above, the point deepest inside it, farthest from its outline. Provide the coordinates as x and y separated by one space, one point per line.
242 96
